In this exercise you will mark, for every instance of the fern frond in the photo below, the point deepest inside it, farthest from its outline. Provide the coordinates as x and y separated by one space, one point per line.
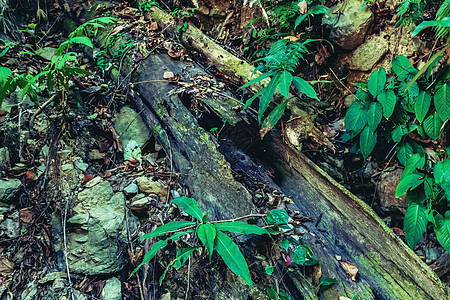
443 12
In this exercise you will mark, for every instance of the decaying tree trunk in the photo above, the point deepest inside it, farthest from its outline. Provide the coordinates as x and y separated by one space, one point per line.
345 227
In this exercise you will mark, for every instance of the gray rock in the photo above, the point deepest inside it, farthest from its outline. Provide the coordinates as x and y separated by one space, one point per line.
369 53
14 99
81 165
148 186
112 290
9 188
432 253
130 126
386 191
98 231
10 227
47 53
131 190
350 23
4 158
93 181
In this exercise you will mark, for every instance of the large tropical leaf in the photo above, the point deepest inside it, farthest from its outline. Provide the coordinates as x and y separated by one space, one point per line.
377 81
442 101
442 176
5 73
367 141
414 161
404 152
285 83
190 206
267 95
388 99
304 87
207 234
356 117
402 66
433 125
422 105
240 227
233 257
415 223
374 115
410 181
442 230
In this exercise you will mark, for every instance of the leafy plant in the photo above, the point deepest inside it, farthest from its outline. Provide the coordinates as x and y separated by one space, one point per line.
281 61
410 11
145 6
211 234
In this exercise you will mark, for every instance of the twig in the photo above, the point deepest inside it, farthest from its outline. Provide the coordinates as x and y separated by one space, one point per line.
65 249
40 108
188 282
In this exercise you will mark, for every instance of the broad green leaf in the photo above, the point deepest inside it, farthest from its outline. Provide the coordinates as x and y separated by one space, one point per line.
404 152
285 83
445 22
402 66
441 174
207 234
277 216
182 256
367 141
304 87
419 129
275 115
415 223
377 81
240 227
363 96
299 19
410 181
205 217
163 229
374 115
269 270
388 99
258 79
249 102
5 73
442 101
233 257
398 132
432 125
414 161
267 95
422 105
442 230
325 281
150 254
299 256
317 9
356 117
190 206
284 244
83 40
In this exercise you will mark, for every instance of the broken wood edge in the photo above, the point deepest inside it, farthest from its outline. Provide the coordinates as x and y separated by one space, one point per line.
293 158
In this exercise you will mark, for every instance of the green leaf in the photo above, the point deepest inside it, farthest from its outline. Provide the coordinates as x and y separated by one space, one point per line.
205 217
190 206
299 19
83 40
207 234
402 66
163 229
367 141
410 181
284 244
388 99
356 117
258 79
269 270
419 129
414 161
304 87
325 281
285 83
233 257
267 95
442 230
150 254
249 102
374 115
240 227
415 223
299 256
404 152
422 105
445 22
275 115
182 256
5 73
377 81
277 216
398 132
441 174
432 125
442 101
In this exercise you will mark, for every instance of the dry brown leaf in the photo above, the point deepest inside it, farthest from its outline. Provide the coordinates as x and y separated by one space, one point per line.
292 38
153 26
349 268
26 215
302 7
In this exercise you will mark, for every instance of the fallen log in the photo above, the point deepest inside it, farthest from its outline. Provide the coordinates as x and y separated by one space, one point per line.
351 230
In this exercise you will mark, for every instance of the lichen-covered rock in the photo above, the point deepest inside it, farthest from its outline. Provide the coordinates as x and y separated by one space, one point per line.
148 186
386 191
369 53
112 290
97 231
350 23
130 126
9 189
